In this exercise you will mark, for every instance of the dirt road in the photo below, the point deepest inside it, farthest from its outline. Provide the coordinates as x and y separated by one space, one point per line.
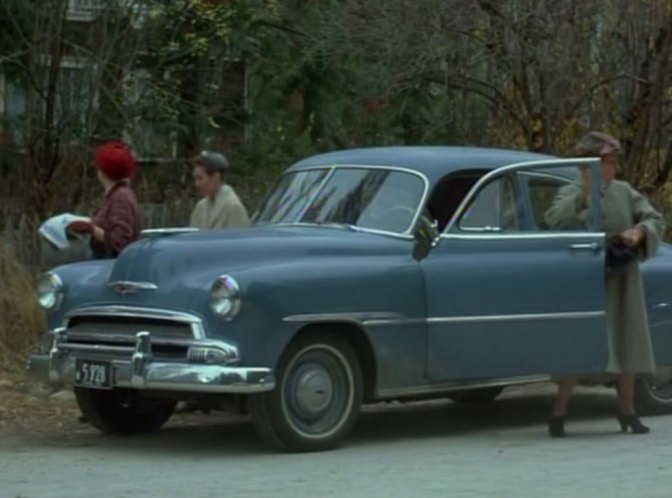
428 449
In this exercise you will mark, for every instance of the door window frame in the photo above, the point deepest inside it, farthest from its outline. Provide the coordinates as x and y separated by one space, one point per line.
453 230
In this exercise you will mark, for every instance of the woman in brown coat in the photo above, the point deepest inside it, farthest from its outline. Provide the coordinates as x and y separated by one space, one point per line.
116 222
633 228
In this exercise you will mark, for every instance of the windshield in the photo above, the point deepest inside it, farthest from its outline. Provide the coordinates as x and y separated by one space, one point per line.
378 199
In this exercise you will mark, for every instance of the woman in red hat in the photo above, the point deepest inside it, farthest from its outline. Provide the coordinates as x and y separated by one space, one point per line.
116 223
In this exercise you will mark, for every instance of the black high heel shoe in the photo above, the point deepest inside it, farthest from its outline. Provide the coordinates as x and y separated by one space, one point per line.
633 422
556 426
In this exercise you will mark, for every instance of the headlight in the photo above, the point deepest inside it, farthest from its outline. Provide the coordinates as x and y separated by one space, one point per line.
225 297
50 291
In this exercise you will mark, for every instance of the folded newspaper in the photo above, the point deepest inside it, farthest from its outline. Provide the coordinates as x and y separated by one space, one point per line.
55 229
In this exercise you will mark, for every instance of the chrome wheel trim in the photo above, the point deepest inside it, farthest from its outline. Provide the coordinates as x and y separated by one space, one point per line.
317 391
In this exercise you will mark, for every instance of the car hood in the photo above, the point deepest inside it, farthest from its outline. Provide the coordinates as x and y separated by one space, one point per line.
177 265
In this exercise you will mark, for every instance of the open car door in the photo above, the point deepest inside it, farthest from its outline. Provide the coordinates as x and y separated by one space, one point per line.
510 294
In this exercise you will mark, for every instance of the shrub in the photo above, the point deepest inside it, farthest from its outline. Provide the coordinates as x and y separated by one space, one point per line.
22 321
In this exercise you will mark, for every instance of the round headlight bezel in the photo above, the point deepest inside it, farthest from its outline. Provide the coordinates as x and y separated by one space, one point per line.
50 291
225 300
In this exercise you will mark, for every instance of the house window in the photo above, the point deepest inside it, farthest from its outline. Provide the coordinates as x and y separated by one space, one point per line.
85 10
150 138
75 97
14 104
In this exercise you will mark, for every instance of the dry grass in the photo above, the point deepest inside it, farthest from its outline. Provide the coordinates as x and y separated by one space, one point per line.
22 321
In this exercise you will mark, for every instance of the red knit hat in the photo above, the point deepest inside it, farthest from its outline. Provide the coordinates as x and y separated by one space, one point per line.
114 160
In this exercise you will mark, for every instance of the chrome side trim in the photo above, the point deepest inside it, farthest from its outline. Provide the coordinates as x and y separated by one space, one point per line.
139 312
355 228
593 247
382 322
412 391
161 232
573 315
379 319
364 319
523 236
360 318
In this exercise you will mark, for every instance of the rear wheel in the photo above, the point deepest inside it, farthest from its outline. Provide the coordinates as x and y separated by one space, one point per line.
122 411
317 397
482 395
653 396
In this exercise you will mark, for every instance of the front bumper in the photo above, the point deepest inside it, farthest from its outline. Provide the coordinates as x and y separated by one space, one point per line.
136 368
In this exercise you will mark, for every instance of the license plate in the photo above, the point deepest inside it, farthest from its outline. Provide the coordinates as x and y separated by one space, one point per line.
93 374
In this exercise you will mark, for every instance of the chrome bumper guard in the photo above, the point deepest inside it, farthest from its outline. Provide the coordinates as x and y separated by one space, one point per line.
140 370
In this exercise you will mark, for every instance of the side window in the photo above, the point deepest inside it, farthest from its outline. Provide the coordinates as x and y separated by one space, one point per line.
547 189
543 190
528 200
494 209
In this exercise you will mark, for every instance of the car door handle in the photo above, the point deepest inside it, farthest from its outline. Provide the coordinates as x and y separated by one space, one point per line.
593 246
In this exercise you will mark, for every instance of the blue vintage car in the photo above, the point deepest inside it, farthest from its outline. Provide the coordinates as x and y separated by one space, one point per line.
369 274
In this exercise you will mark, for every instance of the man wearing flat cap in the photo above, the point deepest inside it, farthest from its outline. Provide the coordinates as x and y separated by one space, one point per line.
219 207
633 229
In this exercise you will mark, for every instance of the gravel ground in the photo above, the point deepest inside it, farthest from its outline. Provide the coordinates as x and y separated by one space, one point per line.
432 448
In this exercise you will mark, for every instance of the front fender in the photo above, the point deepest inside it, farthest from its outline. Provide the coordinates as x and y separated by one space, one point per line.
384 298
84 284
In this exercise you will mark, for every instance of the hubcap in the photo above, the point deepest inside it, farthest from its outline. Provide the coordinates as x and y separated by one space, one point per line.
318 391
314 390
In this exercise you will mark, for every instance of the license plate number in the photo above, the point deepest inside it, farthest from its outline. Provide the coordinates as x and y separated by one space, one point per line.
94 374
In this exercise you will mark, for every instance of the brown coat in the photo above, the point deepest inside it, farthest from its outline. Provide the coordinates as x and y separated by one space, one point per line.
119 217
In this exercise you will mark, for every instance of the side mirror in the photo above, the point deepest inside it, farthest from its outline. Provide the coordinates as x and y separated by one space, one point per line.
427 236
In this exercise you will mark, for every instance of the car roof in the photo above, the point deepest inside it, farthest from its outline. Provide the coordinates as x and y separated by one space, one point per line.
432 161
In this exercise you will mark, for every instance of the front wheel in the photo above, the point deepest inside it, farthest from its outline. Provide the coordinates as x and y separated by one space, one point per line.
317 397
122 411
653 396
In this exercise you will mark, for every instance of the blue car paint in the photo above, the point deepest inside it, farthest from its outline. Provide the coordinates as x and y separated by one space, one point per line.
534 276
657 277
285 271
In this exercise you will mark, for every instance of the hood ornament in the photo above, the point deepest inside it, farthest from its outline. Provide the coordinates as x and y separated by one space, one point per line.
124 287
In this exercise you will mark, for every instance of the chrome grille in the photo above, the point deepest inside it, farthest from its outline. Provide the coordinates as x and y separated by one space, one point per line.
123 329
107 334
112 330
